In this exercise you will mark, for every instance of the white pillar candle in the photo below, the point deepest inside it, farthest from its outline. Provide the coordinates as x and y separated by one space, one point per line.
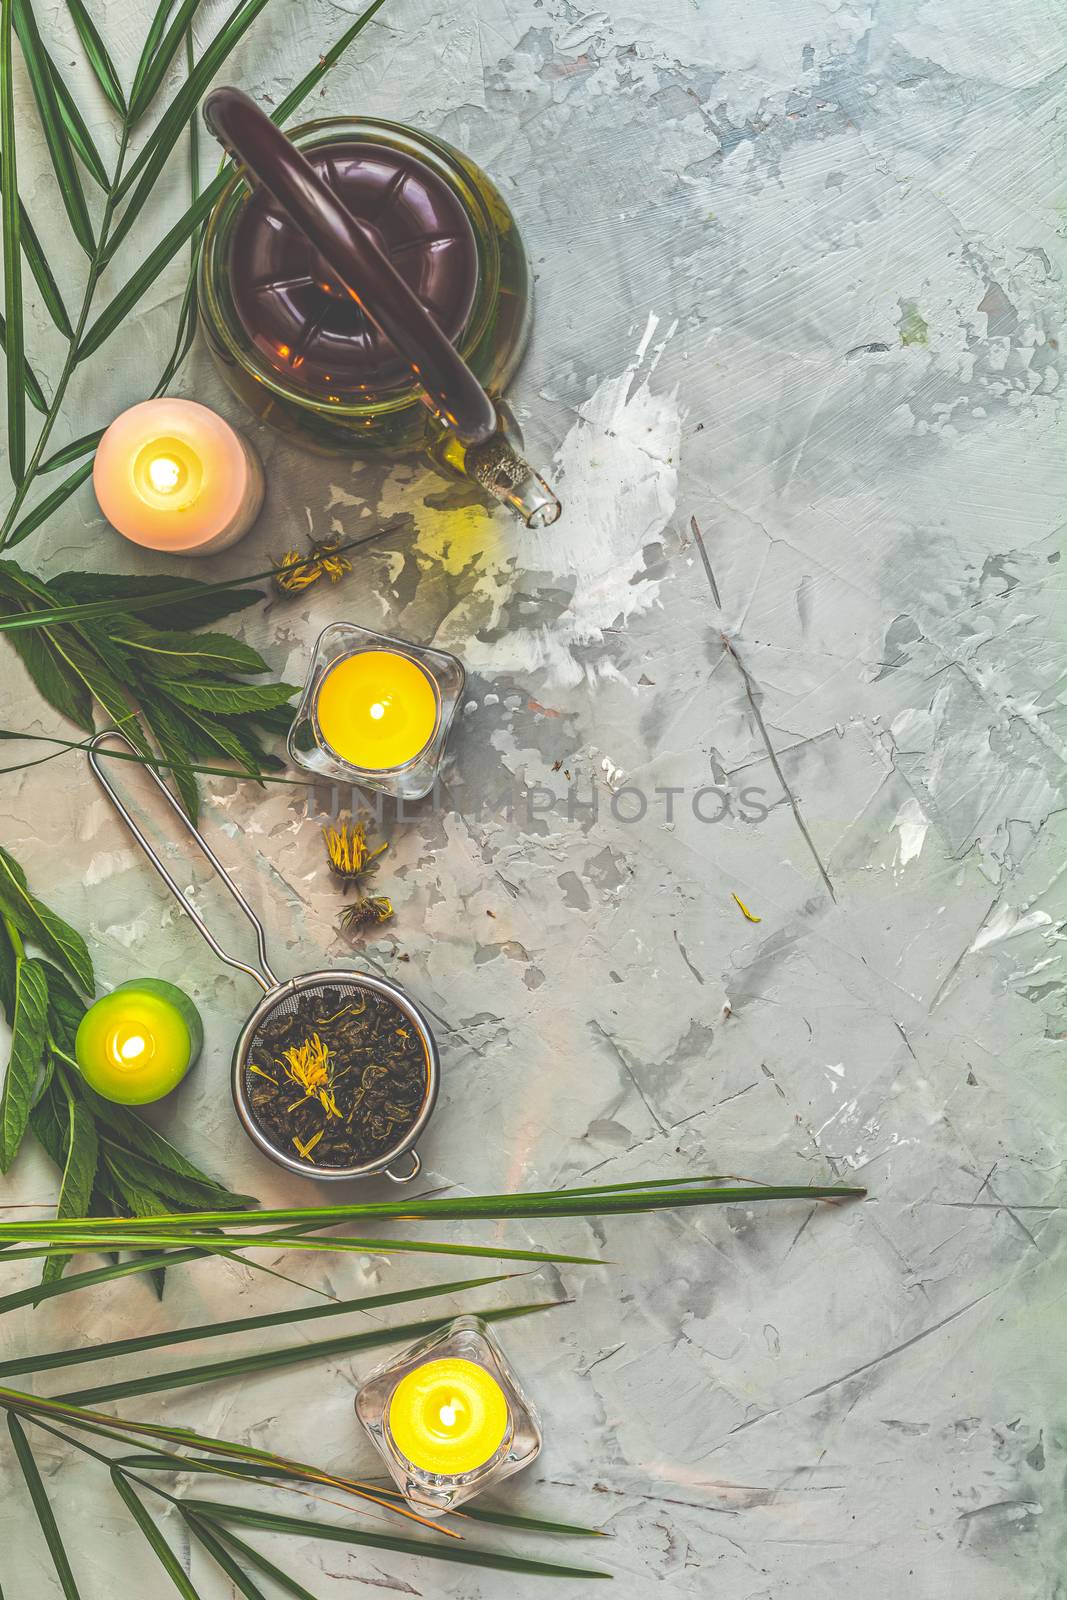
173 476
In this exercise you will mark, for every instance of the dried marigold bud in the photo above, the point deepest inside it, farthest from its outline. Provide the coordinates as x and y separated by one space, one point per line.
367 911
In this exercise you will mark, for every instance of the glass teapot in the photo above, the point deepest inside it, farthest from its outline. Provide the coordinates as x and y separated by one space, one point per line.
370 291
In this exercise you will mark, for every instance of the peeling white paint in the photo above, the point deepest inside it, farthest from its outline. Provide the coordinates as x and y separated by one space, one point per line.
1008 924
911 824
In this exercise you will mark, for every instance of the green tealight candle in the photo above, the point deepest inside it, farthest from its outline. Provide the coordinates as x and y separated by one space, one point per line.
137 1043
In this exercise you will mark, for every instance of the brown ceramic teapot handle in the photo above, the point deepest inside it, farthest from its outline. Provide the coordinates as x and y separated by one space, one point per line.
452 391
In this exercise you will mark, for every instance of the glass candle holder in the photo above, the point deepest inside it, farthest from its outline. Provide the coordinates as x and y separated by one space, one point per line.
375 711
449 1417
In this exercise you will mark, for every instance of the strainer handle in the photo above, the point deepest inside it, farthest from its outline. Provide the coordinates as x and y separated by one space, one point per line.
265 977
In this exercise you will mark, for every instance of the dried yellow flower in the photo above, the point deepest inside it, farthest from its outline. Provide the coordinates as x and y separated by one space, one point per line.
300 572
306 1149
311 1067
349 853
367 910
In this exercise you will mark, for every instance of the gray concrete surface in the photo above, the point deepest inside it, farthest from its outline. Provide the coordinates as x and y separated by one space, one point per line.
799 276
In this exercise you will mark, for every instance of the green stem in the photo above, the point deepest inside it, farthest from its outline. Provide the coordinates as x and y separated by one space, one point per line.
96 267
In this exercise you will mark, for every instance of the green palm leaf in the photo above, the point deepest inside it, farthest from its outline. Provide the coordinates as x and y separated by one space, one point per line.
37 1408
116 312
468 1555
155 61
127 297
49 1361
288 1356
222 1557
613 1200
72 451
34 393
42 1507
127 1234
157 149
167 1559
51 502
14 338
77 129
43 82
37 262
97 54
258 1472
151 45
311 80
267 1568
73 1281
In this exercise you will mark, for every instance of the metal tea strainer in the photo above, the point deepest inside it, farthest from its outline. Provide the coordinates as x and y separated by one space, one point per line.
281 998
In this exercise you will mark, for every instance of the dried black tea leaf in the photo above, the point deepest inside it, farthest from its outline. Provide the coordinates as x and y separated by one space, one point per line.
339 1077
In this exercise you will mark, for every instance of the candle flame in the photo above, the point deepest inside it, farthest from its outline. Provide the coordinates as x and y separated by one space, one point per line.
131 1048
163 474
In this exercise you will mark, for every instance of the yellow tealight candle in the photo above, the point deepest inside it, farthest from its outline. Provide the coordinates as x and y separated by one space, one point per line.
138 1042
448 1417
174 476
377 709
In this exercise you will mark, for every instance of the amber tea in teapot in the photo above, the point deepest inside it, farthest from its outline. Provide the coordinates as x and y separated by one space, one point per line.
369 291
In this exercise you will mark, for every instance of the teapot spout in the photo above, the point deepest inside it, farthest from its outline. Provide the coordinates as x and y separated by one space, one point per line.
498 468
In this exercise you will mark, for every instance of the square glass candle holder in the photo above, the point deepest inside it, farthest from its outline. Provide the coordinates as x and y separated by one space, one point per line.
375 711
449 1417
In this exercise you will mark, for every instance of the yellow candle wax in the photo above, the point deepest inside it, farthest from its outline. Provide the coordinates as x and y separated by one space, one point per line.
174 476
376 709
138 1042
448 1417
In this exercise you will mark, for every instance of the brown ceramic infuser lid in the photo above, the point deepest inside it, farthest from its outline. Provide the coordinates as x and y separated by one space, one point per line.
321 275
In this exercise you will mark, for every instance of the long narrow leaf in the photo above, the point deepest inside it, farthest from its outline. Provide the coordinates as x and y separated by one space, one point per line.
288 1356
77 129
268 1569
156 151
42 77
38 264
115 314
79 1173
158 64
29 1030
160 592
151 45
311 80
42 1507
130 1238
218 1552
259 1473
97 54
14 338
42 926
167 1559
51 502
72 451
36 1408
170 763
89 1280
32 384
48 1361
492 1207
467 1555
